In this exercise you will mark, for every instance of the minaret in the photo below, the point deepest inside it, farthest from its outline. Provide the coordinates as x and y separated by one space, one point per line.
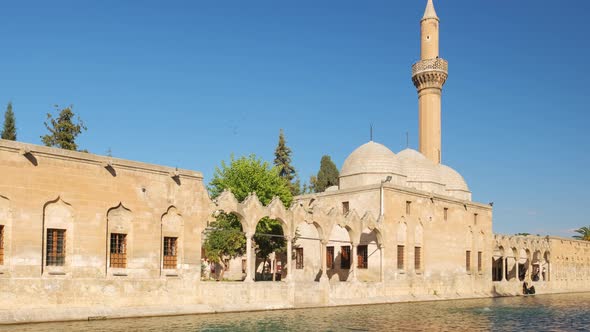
429 75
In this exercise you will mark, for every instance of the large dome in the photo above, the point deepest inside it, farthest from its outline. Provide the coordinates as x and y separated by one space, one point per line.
421 173
455 184
369 164
418 168
372 163
452 179
371 158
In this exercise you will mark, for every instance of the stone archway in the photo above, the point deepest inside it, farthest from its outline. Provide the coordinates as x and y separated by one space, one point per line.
270 248
306 264
340 246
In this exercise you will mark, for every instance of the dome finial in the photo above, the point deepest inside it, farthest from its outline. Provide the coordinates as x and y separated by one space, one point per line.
430 12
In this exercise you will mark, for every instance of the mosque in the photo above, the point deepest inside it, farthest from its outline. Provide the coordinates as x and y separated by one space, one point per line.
84 236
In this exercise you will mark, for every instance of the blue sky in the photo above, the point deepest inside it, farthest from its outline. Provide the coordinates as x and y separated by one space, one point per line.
187 83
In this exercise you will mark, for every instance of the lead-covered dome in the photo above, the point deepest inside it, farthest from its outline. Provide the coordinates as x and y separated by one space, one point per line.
369 164
422 173
455 184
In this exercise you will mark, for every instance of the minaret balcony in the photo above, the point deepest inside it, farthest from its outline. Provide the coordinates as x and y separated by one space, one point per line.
430 65
430 73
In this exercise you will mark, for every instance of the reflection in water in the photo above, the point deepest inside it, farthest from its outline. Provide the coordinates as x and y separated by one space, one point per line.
534 313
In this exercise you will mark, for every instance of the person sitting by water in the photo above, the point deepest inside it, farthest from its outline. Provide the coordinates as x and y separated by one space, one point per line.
526 290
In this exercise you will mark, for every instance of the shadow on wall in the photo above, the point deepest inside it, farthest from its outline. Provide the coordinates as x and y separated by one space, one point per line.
337 270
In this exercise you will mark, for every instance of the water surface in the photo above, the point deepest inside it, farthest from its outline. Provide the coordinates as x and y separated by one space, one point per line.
564 312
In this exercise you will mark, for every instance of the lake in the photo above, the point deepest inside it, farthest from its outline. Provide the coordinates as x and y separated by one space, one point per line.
562 312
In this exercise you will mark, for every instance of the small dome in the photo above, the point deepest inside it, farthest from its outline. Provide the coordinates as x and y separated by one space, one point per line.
418 168
371 158
452 179
455 184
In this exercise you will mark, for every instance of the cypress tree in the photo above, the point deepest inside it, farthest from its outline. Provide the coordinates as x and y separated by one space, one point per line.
283 163
328 175
9 130
63 130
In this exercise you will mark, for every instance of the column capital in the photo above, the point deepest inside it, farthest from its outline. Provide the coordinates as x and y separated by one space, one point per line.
325 242
249 235
288 238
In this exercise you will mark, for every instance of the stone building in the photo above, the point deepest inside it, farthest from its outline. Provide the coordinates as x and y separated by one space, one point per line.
85 236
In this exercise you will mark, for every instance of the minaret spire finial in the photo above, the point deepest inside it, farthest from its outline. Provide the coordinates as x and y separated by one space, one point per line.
430 12
429 75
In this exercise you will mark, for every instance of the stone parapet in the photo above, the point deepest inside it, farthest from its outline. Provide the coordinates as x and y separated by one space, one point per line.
430 73
436 64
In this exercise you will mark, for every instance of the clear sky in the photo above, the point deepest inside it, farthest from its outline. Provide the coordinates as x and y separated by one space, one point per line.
187 83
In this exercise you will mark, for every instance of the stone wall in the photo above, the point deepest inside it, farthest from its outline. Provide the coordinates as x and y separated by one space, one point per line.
90 197
550 264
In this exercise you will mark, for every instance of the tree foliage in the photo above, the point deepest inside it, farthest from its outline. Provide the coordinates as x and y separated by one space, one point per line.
224 238
9 128
243 176
283 163
584 233
250 174
63 130
327 176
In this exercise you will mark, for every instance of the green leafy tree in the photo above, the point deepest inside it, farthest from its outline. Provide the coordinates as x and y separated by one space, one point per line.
584 234
243 176
327 176
63 130
250 174
9 130
283 163
224 239
522 234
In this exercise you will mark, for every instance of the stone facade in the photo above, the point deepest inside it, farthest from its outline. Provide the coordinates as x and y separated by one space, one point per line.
86 236
92 197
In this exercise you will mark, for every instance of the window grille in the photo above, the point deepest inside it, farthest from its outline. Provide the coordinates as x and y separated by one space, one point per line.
446 214
1 244
299 258
118 250
400 257
56 247
330 257
468 260
362 256
417 258
170 252
345 207
345 257
479 261
408 207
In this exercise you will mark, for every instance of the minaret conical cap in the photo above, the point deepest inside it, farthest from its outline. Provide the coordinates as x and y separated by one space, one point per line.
430 12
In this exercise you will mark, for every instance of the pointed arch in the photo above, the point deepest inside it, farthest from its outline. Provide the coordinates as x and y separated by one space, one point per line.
119 240
171 239
5 232
58 237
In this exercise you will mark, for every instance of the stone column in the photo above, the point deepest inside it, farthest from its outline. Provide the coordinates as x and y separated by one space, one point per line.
324 259
381 267
354 263
289 258
504 265
528 276
249 275
516 267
